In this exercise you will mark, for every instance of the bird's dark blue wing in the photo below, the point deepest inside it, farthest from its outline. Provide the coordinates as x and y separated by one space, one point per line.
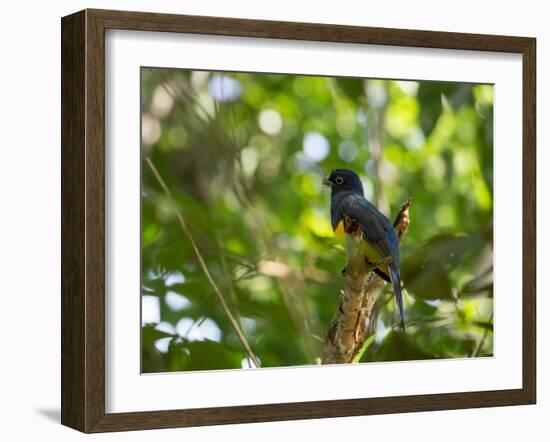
377 229
378 232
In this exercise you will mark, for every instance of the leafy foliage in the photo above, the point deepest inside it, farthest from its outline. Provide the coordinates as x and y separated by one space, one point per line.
243 156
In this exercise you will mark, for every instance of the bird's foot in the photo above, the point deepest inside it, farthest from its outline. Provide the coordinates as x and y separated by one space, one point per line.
371 265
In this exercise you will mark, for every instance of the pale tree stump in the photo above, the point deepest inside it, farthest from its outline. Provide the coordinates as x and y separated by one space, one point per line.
355 319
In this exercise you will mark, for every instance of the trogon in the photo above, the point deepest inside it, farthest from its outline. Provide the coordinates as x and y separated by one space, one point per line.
353 215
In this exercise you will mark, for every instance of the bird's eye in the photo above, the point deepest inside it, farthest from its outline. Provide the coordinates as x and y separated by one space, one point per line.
339 180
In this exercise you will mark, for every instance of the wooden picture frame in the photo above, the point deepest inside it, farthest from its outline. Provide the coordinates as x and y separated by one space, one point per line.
83 219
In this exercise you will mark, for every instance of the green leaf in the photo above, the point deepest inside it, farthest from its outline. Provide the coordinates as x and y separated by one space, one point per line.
431 95
427 272
149 331
210 355
366 345
397 346
351 87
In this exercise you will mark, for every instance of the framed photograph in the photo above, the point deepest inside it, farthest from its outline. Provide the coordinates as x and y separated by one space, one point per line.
268 220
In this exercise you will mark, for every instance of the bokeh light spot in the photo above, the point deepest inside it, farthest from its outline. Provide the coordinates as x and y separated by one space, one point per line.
270 121
199 330
162 102
376 94
316 146
173 278
150 309
166 327
175 301
224 88
150 129
408 87
347 151
162 344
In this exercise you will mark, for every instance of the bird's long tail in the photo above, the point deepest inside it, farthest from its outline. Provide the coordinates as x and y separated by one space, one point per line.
396 282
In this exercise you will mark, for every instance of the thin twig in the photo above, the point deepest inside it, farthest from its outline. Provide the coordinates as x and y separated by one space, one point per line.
482 340
202 263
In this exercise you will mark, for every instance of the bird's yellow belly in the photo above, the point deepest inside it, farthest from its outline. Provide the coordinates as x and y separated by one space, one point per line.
339 232
354 248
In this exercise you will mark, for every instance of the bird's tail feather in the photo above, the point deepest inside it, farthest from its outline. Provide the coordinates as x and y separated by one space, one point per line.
396 282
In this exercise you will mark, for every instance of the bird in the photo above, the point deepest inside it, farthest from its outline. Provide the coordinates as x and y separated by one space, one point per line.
358 221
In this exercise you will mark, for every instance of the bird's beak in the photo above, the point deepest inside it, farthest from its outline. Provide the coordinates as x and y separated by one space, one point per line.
327 182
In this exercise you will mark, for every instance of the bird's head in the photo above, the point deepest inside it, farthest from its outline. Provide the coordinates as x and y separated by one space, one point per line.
342 180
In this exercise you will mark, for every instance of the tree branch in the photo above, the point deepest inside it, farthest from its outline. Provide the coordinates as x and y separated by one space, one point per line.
355 320
232 320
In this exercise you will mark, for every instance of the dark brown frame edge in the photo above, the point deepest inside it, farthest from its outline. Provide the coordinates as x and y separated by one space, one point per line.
83 216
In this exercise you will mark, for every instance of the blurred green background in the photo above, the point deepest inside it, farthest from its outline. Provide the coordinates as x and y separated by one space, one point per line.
244 155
